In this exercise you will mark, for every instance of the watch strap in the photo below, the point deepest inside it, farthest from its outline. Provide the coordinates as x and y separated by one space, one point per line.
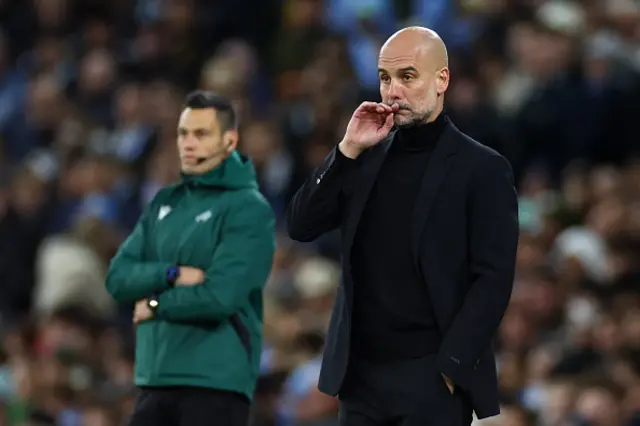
172 275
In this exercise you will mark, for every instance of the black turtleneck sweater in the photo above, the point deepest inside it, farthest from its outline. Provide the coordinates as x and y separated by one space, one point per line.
392 312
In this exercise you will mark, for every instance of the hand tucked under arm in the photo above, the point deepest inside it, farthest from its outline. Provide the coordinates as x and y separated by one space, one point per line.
240 266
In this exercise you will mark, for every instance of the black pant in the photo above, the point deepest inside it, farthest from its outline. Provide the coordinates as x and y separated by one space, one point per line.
401 393
189 406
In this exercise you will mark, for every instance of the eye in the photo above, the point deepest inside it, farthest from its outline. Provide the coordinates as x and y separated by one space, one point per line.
408 77
199 134
384 78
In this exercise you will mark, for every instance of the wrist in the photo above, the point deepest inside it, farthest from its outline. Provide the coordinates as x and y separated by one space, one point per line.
172 275
152 304
349 150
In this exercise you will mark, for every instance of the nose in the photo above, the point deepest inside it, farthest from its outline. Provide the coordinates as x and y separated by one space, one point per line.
189 143
394 92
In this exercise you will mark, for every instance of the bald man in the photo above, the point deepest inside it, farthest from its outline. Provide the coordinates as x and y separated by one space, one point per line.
429 233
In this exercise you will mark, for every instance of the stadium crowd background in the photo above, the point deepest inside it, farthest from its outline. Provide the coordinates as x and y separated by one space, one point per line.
90 91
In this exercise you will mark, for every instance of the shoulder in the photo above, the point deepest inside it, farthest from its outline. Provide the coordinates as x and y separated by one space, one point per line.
251 203
470 147
164 193
248 213
159 199
476 157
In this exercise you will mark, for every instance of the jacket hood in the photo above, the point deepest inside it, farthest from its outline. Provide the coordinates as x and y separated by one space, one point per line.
236 172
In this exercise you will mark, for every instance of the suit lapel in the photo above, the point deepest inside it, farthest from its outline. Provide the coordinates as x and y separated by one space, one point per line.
437 168
366 180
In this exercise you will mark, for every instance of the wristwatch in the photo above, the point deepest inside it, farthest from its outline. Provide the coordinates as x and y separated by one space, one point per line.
152 303
173 273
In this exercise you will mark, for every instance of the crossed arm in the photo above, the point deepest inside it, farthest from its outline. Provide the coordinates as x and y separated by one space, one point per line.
240 264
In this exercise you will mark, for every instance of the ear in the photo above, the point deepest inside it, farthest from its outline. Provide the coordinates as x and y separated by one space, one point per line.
442 80
230 140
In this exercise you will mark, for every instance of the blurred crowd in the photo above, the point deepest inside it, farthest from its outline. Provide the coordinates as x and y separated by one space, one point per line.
90 92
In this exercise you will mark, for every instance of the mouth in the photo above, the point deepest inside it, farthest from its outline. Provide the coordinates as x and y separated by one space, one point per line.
189 159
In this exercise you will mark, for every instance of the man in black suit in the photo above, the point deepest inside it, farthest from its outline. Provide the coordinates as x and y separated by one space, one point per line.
429 232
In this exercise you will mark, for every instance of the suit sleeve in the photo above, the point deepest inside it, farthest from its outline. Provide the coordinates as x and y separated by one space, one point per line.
240 265
318 205
493 240
130 278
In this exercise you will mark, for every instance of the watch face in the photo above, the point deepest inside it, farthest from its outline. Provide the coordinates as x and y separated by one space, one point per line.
173 273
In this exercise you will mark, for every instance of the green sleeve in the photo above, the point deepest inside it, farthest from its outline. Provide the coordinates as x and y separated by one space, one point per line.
130 278
241 265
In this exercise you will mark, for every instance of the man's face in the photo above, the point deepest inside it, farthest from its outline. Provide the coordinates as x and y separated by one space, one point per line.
201 143
408 78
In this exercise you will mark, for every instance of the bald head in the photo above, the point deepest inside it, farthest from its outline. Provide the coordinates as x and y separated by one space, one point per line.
414 74
418 41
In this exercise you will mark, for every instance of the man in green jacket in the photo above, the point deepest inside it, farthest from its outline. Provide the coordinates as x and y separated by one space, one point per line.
195 266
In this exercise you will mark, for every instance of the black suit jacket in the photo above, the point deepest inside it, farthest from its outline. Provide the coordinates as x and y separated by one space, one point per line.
465 235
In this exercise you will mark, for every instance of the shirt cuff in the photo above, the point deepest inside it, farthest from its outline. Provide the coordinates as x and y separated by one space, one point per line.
342 161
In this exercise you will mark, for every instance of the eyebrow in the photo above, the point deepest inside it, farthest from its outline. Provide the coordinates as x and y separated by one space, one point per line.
405 69
197 129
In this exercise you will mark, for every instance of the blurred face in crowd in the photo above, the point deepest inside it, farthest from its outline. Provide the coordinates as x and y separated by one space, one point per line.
51 13
28 193
129 103
259 141
96 416
598 406
413 73
97 72
44 101
513 416
202 143
558 402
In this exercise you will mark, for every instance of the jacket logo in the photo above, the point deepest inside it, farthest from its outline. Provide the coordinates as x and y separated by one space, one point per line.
164 211
203 217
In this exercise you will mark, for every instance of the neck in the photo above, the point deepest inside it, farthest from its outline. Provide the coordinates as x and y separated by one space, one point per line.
422 136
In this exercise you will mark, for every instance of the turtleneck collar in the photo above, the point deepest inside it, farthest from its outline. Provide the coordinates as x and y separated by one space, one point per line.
423 136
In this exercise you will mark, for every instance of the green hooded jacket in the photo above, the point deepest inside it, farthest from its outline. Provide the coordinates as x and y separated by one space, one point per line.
208 335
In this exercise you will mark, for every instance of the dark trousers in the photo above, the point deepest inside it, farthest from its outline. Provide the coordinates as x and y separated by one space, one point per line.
189 406
401 393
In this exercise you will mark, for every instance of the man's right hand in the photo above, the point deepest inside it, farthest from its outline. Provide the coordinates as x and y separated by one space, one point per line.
369 124
190 276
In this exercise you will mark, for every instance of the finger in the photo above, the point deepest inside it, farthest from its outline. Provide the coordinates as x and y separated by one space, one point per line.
388 122
385 108
369 106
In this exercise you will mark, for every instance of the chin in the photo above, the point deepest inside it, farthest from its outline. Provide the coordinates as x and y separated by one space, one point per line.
401 122
406 124
187 168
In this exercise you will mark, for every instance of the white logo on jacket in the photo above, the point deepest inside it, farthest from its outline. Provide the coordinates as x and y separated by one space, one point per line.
203 217
163 212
